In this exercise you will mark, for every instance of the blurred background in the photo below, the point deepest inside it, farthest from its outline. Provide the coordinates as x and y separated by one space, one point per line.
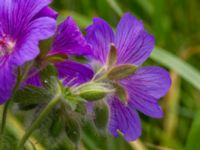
176 27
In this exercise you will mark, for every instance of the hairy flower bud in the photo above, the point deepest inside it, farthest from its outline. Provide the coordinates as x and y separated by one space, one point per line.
72 129
101 115
94 91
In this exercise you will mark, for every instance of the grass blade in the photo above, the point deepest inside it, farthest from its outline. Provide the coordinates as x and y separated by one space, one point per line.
185 70
115 7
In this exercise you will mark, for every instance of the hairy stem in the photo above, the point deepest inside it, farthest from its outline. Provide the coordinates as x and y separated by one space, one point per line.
40 118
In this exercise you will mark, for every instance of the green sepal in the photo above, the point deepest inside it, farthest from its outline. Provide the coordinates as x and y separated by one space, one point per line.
121 71
121 92
56 58
73 101
112 57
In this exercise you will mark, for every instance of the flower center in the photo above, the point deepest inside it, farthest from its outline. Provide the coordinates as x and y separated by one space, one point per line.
6 46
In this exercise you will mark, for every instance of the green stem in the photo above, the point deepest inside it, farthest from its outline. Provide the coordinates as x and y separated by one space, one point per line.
38 121
98 72
17 85
5 109
4 116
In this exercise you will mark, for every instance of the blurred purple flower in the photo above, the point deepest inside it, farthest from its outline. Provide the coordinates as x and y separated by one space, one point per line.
23 23
145 87
68 41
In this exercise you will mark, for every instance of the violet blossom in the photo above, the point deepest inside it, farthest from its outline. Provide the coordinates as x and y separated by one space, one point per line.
144 87
23 23
68 41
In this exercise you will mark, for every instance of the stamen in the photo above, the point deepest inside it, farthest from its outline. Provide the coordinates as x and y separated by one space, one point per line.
6 46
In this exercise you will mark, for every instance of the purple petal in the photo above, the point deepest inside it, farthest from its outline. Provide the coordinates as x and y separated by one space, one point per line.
146 87
20 33
7 82
125 119
27 49
69 40
73 73
133 43
22 30
47 12
100 36
15 16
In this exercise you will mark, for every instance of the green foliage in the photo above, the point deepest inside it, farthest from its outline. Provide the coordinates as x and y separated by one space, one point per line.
30 96
49 77
193 137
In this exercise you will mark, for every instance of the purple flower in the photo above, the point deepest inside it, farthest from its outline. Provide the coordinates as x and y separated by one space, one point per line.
68 41
144 88
23 23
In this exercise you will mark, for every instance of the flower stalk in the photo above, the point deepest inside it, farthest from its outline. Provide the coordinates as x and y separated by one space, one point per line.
40 118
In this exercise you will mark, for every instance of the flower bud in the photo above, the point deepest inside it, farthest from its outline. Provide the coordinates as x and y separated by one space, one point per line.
72 128
94 91
101 115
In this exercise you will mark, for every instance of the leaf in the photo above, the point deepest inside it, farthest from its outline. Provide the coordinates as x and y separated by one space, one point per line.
49 77
121 71
194 134
185 70
31 95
